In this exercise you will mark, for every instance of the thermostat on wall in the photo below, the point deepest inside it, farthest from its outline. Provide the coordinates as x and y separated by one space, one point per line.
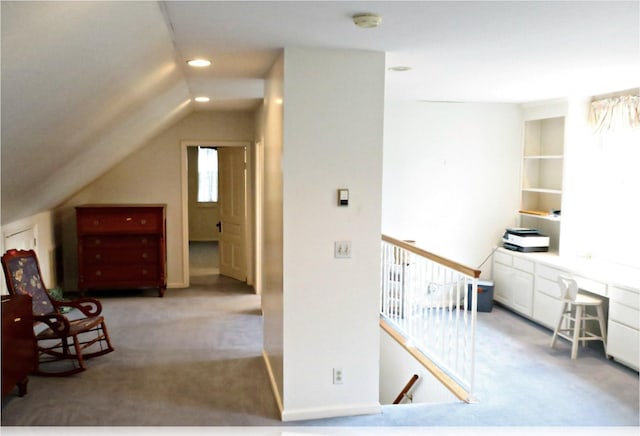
343 197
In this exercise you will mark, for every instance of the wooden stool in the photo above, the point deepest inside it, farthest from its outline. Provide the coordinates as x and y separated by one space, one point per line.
575 323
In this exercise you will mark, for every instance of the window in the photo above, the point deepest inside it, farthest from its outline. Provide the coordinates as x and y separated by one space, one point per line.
207 175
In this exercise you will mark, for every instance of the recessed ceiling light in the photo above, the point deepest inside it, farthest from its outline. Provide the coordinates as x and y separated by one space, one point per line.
367 21
199 62
399 68
202 99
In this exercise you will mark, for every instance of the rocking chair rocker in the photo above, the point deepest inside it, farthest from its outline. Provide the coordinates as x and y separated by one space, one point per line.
22 273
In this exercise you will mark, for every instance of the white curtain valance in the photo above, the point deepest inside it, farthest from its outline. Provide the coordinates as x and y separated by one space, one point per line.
614 114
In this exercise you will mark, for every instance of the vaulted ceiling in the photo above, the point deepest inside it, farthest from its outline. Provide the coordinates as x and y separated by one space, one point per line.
86 83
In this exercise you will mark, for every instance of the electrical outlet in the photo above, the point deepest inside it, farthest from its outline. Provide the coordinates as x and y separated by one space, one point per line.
337 376
342 249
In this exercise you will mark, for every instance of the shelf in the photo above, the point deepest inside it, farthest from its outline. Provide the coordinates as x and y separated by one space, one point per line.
543 190
540 215
545 156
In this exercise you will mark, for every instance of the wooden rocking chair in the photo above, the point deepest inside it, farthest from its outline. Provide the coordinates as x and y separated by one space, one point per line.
88 332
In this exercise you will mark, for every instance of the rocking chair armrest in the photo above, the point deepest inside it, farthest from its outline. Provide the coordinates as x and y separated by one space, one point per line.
88 306
57 323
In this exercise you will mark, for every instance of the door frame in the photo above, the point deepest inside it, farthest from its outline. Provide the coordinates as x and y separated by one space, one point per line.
184 187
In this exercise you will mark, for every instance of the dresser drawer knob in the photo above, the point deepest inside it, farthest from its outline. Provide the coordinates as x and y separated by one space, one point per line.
144 272
128 218
145 256
17 319
98 273
143 221
98 256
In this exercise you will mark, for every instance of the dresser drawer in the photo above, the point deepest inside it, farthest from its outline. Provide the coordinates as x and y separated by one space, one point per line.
119 274
116 255
120 220
125 241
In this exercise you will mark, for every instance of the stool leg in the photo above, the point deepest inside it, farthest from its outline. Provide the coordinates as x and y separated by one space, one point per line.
603 328
576 332
559 325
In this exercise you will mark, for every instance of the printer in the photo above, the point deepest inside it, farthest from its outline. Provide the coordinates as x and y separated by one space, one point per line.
525 240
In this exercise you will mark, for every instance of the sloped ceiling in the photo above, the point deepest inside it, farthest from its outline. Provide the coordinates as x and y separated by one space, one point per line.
86 83
83 84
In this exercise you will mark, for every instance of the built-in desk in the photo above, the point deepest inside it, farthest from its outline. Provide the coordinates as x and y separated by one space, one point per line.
527 283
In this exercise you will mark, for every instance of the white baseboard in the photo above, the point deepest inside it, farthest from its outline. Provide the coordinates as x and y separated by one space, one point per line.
331 412
272 379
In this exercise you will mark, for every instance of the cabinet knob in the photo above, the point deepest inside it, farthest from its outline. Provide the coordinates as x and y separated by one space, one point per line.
145 255
98 256
98 273
143 221
18 319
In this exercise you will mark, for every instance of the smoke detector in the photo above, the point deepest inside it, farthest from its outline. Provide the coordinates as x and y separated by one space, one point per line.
367 21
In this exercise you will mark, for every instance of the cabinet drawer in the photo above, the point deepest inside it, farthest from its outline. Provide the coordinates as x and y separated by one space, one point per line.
120 220
625 297
624 315
550 273
623 343
547 287
503 258
591 285
523 264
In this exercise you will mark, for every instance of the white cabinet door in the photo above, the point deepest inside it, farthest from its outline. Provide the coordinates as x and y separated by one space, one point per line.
513 288
502 283
522 292
623 344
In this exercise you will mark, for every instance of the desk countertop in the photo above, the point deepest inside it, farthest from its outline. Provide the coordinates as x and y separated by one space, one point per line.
595 269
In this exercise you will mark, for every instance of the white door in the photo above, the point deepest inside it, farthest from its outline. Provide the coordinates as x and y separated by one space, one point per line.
232 198
21 240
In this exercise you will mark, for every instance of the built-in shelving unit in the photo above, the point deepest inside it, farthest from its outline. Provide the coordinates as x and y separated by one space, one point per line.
542 173
542 167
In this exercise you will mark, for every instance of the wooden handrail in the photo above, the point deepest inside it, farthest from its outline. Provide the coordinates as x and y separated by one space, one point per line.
441 260
404 391
454 387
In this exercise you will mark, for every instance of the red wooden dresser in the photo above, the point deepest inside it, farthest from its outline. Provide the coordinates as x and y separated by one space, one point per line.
19 351
121 246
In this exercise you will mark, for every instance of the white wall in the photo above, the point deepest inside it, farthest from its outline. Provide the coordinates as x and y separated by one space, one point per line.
396 368
333 120
152 174
451 176
271 222
600 189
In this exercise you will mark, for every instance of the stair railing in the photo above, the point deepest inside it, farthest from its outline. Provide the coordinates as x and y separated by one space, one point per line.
432 302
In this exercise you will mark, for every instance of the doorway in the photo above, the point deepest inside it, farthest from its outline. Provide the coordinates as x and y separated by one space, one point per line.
215 232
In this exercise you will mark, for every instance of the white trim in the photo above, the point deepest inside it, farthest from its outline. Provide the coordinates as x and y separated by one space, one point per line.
184 187
331 412
274 385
